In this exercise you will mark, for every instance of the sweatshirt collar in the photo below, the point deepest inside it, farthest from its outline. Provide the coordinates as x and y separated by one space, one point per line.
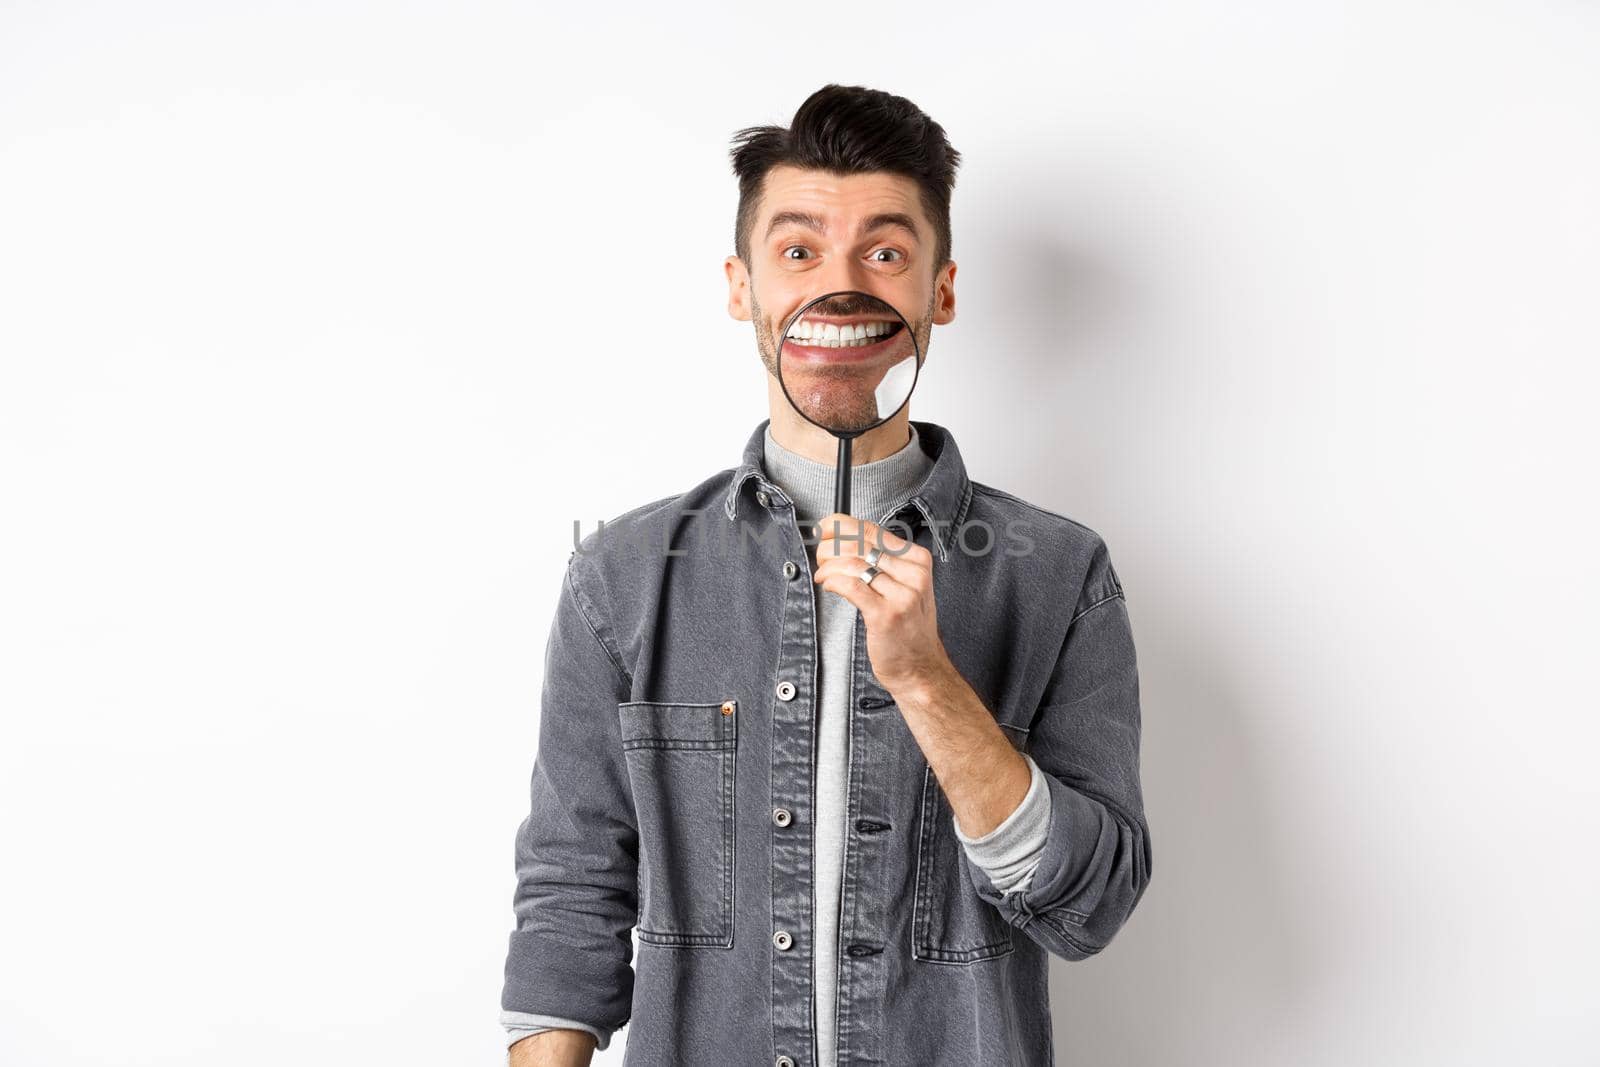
941 500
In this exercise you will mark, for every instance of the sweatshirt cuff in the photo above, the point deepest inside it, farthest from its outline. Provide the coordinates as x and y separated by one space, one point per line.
1009 853
521 1024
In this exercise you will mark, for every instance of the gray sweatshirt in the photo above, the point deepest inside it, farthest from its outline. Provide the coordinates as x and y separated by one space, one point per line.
1008 853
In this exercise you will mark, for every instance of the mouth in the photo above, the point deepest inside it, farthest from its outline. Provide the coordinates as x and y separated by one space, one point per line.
822 339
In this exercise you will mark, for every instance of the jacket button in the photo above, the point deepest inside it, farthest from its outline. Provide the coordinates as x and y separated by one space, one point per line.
785 690
781 816
781 940
789 569
762 498
783 1061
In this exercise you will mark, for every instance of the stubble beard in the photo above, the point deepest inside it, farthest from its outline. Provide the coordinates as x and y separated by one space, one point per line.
863 414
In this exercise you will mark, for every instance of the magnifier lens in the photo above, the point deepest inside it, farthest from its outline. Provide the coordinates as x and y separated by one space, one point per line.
848 361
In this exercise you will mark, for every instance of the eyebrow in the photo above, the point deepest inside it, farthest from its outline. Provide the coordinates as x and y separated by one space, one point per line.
870 223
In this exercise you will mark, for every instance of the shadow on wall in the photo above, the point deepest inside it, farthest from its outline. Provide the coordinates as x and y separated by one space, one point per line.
1215 958
1212 959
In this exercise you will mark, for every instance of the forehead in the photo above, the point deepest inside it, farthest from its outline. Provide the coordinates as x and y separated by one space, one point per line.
840 200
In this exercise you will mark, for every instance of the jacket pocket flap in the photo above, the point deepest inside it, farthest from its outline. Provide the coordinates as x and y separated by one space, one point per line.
655 724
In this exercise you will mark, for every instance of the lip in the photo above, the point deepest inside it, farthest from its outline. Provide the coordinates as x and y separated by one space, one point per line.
801 352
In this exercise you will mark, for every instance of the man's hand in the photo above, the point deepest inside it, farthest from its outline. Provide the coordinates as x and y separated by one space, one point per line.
554 1048
898 608
982 774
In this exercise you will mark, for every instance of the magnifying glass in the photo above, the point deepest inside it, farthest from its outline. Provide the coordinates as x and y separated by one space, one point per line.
848 362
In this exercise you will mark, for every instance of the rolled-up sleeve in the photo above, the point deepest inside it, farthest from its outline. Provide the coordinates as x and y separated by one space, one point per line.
577 851
1095 864
519 1025
1009 853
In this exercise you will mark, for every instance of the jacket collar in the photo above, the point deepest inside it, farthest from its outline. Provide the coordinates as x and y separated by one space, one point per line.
941 499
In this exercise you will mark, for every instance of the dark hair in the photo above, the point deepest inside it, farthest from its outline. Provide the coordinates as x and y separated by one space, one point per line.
849 129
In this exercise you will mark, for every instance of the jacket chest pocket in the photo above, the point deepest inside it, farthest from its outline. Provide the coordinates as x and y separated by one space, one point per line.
950 922
680 760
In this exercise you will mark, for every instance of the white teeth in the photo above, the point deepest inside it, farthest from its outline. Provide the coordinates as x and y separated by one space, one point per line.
832 335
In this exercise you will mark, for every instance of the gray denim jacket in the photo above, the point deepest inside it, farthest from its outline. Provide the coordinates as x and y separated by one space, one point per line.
672 786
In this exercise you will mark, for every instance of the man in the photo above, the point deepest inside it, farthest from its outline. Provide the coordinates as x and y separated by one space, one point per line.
849 818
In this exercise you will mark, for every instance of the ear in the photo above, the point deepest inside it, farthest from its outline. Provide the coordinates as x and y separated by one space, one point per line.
944 294
738 288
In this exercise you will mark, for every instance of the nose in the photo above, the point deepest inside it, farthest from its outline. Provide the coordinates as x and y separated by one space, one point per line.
840 274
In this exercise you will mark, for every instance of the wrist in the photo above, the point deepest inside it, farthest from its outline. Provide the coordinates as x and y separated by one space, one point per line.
926 687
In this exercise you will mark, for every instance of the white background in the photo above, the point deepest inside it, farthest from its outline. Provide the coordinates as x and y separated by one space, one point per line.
322 323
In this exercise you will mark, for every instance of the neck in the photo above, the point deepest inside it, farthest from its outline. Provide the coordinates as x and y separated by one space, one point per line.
877 487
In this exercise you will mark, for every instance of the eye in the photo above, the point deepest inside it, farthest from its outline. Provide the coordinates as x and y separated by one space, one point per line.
893 252
796 248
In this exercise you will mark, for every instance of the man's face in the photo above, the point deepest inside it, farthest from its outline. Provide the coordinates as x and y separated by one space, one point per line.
817 233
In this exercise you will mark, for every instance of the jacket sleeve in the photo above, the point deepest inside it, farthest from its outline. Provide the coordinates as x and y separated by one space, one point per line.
576 898
1085 738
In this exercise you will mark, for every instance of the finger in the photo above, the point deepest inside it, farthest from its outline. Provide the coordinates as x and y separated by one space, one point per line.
901 570
866 599
885 588
843 533
914 569
838 533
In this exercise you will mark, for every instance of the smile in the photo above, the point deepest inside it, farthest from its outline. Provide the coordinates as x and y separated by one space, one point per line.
820 333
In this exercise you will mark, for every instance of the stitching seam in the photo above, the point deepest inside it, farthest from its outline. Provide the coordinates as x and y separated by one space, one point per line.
1104 600
578 599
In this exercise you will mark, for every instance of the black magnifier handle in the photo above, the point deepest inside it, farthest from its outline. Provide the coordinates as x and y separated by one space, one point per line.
841 481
